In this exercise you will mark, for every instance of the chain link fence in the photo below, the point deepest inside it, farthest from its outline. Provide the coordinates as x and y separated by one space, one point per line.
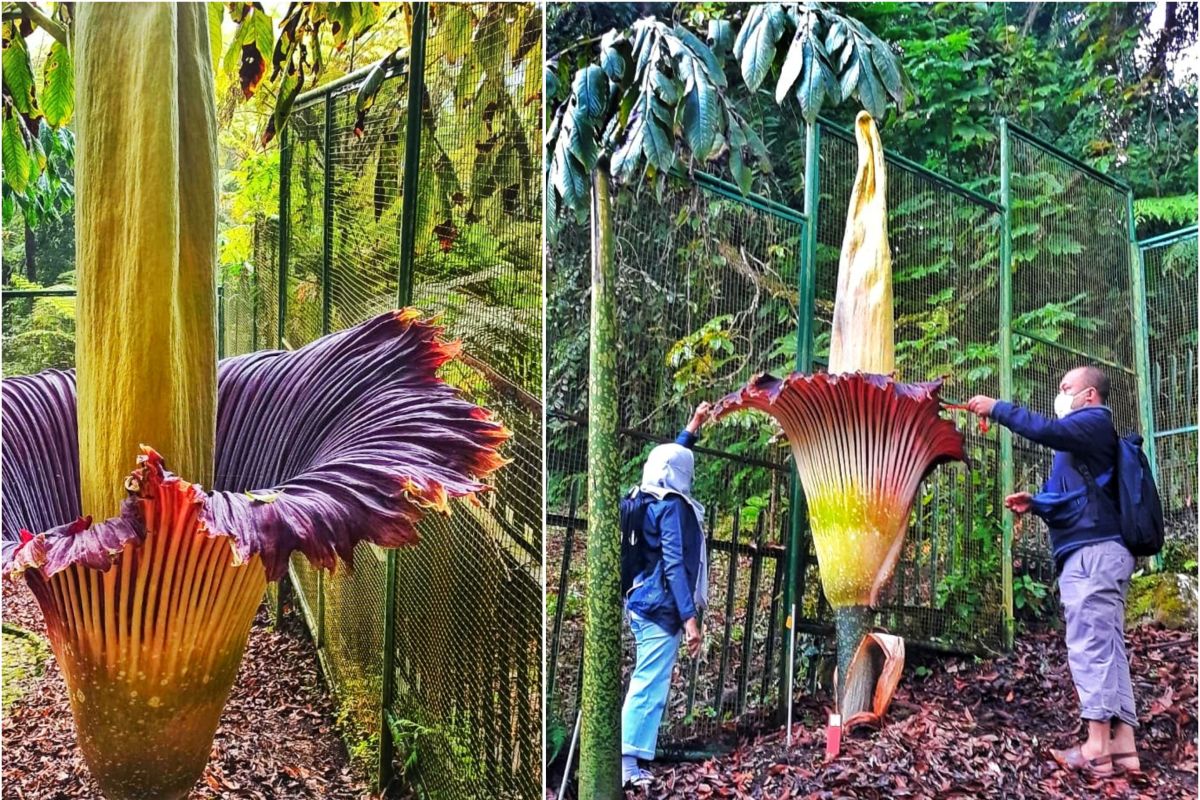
709 286
1072 305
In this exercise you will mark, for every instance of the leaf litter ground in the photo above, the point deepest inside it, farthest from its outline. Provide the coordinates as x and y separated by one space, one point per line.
971 730
277 737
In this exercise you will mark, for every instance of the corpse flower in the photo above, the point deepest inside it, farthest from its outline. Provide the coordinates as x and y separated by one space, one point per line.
862 441
148 581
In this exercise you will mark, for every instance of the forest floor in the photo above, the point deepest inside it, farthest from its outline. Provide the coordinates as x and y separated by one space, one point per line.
277 737
970 729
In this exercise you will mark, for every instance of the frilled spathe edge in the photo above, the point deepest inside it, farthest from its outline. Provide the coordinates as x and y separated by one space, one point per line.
352 438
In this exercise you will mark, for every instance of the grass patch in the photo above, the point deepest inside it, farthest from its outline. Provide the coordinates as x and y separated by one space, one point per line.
24 657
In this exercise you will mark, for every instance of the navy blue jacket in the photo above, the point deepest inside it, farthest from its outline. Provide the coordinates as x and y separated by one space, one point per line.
1085 437
664 592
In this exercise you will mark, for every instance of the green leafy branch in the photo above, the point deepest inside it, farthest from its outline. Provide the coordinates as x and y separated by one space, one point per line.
35 141
828 58
657 93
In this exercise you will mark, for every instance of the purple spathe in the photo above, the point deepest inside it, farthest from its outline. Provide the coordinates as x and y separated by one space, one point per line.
350 438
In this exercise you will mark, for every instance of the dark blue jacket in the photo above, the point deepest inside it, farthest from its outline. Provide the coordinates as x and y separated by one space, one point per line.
1084 437
663 593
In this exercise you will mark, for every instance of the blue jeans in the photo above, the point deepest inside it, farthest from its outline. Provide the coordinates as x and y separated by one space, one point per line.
648 687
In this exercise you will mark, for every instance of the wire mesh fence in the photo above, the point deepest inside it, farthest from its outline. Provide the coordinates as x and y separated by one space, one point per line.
435 651
708 282
1072 305
1170 267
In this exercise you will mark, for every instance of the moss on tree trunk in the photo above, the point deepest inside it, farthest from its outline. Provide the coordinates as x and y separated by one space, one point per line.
600 737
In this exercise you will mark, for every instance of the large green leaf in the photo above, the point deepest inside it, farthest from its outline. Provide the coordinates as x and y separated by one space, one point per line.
889 70
871 92
657 144
755 45
591 91
849 77
18 164
216 16
793 66
720 37
612 60
58 96
18 75
701 116
813 86
690 44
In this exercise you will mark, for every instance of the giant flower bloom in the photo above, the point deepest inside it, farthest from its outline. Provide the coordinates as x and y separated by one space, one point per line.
349 439
148 581
862 442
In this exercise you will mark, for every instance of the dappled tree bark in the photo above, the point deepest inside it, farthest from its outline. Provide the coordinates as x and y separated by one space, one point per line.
600 736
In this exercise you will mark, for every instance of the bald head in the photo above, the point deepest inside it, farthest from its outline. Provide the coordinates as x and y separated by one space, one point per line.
1089 384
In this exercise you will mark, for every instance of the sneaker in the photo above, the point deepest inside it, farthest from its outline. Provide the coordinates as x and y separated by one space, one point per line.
641 780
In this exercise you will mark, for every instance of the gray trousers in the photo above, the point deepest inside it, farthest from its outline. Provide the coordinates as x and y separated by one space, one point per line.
1093 585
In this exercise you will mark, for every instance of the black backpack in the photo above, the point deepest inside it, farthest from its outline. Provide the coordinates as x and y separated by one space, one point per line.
635 556
1137 499
1136 496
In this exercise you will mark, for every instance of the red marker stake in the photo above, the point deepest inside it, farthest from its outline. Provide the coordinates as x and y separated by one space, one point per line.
833 737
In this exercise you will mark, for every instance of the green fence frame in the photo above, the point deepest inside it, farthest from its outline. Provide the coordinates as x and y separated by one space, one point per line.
1169 430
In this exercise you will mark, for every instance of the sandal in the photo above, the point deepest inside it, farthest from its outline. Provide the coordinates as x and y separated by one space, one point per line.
1074 759
1121 769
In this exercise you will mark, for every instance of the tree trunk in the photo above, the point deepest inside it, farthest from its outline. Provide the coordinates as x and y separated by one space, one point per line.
30 255
600 739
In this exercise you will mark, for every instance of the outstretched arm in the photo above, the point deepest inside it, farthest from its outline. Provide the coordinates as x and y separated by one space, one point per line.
689 435
1075 433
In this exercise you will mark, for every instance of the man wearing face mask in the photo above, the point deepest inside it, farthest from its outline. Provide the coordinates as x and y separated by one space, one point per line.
1079 506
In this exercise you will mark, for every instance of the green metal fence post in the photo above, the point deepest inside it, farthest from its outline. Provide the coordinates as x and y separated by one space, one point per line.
1007 473
327 221
221 320
412 152
285 216
408 226
797 545
1141 348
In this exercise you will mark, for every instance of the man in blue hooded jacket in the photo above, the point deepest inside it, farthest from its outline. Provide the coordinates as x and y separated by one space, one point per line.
667 596
1079 505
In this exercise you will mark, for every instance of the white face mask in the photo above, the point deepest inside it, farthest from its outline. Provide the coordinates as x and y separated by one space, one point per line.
1062 404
